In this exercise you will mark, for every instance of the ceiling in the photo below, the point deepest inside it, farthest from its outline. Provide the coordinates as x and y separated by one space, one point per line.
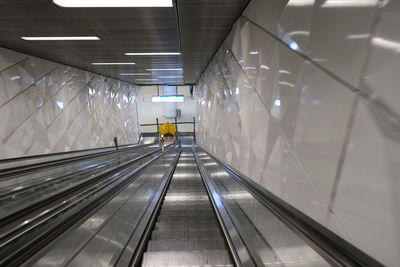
195 28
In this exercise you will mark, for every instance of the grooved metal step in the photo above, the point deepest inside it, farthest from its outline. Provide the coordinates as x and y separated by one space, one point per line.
185 258
186 245
186 232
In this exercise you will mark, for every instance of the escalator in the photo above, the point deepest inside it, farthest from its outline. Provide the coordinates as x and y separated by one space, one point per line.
178 208
187 232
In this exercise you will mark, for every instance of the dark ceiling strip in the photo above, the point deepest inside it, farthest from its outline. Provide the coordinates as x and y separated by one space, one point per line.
71 17
223 40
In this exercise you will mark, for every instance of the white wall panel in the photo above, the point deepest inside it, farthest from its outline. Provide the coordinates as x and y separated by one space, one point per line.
47 107
318 138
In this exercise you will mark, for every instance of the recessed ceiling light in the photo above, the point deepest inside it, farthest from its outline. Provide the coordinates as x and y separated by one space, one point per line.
114 63
60 38
154 54
168 98
134 74
114 3
164 69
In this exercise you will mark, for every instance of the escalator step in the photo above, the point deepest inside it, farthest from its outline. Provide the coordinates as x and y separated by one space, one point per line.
186 245
186 234
184 258
186 225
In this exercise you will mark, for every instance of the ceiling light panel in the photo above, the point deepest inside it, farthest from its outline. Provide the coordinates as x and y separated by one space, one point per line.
134 74
168 98
113 63
114 3
60 38
164 69
154 54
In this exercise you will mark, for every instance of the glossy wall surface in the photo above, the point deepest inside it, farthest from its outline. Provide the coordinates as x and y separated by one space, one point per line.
302 98
47 107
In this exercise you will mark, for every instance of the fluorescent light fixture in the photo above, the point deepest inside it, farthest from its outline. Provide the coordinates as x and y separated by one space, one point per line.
114 63
146 79
60 38
154 54
284 71
168 98
293 45
165 69
114 3
358 36
170 77
350 3
134 74
301 2
306 33
386 43
277 102
253 53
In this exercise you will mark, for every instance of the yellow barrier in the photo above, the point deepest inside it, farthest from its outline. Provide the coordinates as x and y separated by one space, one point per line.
167 128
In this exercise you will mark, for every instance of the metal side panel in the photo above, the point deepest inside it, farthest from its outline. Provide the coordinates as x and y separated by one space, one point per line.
100 239
269 241
187 231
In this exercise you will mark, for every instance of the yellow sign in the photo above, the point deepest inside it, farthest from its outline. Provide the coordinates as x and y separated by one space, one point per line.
167 128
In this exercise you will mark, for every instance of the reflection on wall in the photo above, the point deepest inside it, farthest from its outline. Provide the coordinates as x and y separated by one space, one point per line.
294 101
47 107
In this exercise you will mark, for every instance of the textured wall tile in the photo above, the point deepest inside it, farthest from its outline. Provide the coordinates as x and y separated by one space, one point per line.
368 195
9 58
265 13
382 78
337 40
46 107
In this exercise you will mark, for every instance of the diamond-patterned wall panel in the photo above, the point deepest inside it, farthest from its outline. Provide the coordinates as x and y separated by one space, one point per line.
47 107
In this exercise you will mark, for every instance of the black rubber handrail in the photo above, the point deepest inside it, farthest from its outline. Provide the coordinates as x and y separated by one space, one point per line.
240 253
63 153
19 252
13 171
141 236
13 216
312 232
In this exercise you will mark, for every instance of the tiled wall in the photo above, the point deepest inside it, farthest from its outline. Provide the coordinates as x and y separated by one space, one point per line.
48 107
303 98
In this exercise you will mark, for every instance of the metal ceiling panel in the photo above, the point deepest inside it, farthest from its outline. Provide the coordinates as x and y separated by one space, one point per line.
199 26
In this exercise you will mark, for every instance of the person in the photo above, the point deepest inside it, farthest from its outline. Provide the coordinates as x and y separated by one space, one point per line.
116 148
162 143
191 90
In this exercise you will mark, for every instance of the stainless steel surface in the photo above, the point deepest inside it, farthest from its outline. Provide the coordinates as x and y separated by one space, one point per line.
203 26
268 239
186 232
40 228
240 253
22 192
100 239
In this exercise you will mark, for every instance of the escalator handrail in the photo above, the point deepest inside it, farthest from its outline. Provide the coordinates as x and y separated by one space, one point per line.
8 160
17 257
136 245
240 253
12 171
331 245
98 176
